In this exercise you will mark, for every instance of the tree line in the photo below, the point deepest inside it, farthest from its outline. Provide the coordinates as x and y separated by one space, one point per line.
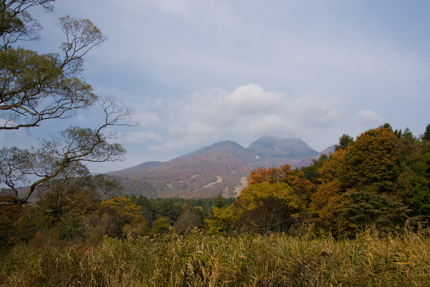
379 180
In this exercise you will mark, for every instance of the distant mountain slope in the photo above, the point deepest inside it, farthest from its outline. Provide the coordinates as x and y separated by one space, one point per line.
138 167
220 168
274 151
274 147
328 150
222 151
308 161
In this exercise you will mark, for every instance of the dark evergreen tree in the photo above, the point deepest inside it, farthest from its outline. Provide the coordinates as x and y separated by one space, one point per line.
344 141
426 135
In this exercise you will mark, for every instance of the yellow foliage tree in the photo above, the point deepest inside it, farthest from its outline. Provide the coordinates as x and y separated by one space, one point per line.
328 202
371 160
294 178
120 216
265 207
122 205
223 218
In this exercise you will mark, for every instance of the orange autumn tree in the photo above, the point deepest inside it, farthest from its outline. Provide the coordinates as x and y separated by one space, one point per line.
358 186
274 199
327 202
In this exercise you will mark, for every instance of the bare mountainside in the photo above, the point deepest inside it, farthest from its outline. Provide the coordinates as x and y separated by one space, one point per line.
220 168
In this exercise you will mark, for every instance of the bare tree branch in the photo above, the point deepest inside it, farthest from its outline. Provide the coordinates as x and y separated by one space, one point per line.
57 157
16 23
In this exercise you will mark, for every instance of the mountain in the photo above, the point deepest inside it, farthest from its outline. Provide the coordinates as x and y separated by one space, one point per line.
274 151
308 161
274 147
220 168
141 166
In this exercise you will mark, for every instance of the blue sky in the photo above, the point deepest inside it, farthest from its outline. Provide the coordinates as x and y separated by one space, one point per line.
201 71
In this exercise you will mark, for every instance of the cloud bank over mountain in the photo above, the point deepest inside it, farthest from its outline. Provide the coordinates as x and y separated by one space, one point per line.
252 110
197 72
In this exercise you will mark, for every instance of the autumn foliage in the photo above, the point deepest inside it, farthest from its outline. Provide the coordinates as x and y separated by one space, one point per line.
274 200
369 183
371 161
378 181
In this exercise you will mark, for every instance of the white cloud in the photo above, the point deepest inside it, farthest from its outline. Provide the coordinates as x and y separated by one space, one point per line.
208 106
253 99
146 118
142 137
188 133
367 118
220 109
271 125
176 7
310 110
247 111
7 123
167 48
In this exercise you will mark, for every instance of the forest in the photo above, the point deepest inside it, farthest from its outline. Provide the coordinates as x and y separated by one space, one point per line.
365 207
378 181
357 217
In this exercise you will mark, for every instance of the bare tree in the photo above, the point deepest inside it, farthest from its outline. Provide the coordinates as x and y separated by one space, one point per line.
62 156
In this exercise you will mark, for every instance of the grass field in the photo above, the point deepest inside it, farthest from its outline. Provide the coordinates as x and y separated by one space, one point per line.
213 260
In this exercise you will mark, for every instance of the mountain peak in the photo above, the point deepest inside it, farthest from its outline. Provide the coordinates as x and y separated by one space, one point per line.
216 147
222 167
275 147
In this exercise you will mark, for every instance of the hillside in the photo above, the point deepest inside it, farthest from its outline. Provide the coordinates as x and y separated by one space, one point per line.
274 147
274 151
220 168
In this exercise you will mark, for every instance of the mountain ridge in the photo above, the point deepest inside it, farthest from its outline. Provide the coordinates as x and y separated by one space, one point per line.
222 167
268 146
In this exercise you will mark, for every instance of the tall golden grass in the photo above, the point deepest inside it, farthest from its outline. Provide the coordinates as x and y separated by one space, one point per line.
199 259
